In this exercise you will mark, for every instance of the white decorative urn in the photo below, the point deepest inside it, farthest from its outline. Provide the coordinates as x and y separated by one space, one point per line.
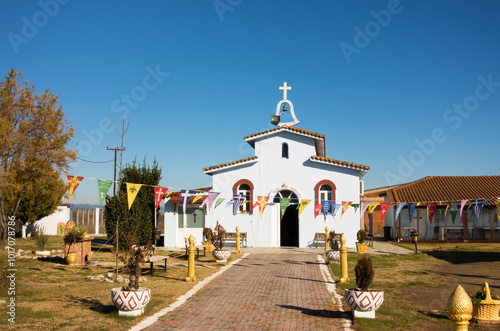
220 255
130 303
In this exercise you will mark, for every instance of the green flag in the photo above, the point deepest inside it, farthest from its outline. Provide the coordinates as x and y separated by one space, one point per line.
103 186
284 202
218 202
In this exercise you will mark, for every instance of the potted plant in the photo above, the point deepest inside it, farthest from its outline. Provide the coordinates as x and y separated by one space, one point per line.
73 235
218 240
207 234
486 305
363 301
361 247
131 299
333 254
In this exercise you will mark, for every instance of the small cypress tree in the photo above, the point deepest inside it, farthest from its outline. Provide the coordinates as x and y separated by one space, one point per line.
364 273
138 221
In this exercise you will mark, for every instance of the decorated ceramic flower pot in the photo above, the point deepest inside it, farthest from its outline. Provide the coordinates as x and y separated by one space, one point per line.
221 256
130 303
364 301
332 255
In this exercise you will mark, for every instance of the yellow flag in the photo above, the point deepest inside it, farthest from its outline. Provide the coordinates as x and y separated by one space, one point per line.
303 204
196 198
372 207
132 190
497 204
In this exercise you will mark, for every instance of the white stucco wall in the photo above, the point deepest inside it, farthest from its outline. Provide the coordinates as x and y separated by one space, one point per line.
49 223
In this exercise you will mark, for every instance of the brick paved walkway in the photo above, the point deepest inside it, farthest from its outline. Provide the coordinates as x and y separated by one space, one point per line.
261 292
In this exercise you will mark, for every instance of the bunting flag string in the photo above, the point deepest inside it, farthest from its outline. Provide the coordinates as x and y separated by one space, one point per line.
103 187
399 208
326 207
160 193
132 190
453 206
284 202
383 209
73 182
335 209
303 204
411 210
497 204
345 205
462 205
218 202
262 203
431 209
185 195
317 209
372 207
364 206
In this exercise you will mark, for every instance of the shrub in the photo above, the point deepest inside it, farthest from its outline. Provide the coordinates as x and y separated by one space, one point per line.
334 244
364 273
41 238
219 236
207 234
362 235
133 258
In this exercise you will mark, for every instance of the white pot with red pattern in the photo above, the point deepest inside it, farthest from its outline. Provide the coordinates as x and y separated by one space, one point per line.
220 255
364 301
130 303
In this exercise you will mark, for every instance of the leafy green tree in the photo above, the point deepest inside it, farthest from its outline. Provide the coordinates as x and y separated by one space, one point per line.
34 151
138 221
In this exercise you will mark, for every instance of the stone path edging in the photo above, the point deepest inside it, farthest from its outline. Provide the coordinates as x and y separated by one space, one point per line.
332 288
148 321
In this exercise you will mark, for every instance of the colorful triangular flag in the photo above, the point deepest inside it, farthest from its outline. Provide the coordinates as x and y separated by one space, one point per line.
160 193
335 208
218 202
326 207
431 209
284 202
132 190
383 209
345 205
399 208
73 182
372 207
185 195
303 204
103 187
317 209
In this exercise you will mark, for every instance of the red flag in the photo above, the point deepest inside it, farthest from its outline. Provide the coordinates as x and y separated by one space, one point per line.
317 209
160 193
431 208
73 182
262 203
383 208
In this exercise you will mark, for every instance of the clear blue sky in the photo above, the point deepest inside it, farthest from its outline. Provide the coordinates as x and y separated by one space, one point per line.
381 79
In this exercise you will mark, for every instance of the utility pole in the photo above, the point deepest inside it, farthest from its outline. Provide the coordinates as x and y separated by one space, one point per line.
114 176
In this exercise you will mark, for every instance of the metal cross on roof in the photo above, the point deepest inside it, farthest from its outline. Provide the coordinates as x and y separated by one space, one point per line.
285 88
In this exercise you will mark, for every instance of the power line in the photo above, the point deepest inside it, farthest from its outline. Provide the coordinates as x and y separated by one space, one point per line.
95 161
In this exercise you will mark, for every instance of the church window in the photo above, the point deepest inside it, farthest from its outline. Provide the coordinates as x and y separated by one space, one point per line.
284 151
244 187
325 191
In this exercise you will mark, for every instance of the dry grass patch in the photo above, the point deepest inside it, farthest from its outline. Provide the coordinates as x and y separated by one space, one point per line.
52 296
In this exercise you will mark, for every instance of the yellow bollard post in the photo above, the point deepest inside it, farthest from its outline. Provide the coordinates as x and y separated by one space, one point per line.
327 244
344 277
238 245
191 252
460 308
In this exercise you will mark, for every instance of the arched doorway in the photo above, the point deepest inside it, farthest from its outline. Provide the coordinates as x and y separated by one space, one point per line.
289 224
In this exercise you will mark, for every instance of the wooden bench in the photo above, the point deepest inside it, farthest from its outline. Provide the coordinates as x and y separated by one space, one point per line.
320 237
198 248
231 236
157 258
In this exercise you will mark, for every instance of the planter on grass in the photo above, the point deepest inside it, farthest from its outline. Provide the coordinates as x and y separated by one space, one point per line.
364 301
487 309
220 255
130 303
332 255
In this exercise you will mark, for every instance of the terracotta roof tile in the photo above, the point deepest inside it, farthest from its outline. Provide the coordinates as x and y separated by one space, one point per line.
219 166
338 162
447 188
289 128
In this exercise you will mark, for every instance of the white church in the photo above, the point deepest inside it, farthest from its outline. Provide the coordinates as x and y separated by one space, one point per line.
289 162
